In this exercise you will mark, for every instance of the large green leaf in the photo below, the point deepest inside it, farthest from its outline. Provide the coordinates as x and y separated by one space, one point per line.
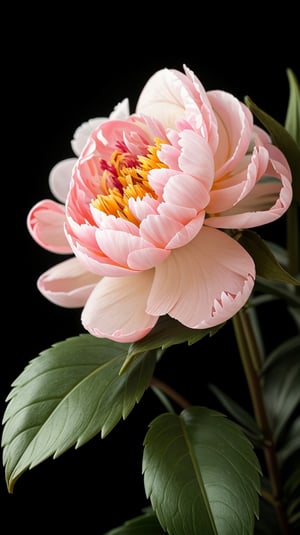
201 474
280 382
146 524
65 397
266 264
166 333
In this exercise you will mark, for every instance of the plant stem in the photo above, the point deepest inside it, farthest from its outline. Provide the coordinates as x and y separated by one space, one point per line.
171 393
251 364
293 240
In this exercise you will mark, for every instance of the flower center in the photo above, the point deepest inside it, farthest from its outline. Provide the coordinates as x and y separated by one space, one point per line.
125 176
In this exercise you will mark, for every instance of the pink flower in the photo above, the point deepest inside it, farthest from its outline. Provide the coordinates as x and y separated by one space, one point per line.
150 199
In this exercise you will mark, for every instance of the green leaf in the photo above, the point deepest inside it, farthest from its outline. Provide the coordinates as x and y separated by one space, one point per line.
291 442
265 262
277 289
287 350
292 120
239 414
284 141
292 491
280 253
146 524
280 383
66 396
201 474
166 333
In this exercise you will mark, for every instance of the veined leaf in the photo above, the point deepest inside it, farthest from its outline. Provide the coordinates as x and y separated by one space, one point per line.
166 333
280 383
146 524
66 396
201 474
265 262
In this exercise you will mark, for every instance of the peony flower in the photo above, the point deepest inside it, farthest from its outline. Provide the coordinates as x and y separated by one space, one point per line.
150 202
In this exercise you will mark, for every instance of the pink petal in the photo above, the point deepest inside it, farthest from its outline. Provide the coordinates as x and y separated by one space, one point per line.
196 157
116 308
67 284
204 122
118 245
173 211
204 283
235 125
278 165
169 233
45 222
188 232
104 221
187 191
144 259
267 202
141 208
231 189
159 230
168 154
83 132
94 261
158 178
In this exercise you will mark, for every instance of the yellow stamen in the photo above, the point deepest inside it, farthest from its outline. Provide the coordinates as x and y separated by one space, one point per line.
123 179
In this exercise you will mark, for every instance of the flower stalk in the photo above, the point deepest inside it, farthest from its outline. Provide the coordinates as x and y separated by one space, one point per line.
250 358
170 392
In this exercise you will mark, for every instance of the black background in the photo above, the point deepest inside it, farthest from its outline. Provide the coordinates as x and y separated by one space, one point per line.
58 72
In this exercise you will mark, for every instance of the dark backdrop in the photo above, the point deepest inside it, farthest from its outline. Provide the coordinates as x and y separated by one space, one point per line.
59 72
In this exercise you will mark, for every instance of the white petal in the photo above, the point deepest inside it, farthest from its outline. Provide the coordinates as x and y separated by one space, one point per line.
67 284
116 308
60 177
83 132
121 110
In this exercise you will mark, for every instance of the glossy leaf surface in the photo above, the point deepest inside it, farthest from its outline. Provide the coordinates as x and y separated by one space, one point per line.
201 474
66 396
